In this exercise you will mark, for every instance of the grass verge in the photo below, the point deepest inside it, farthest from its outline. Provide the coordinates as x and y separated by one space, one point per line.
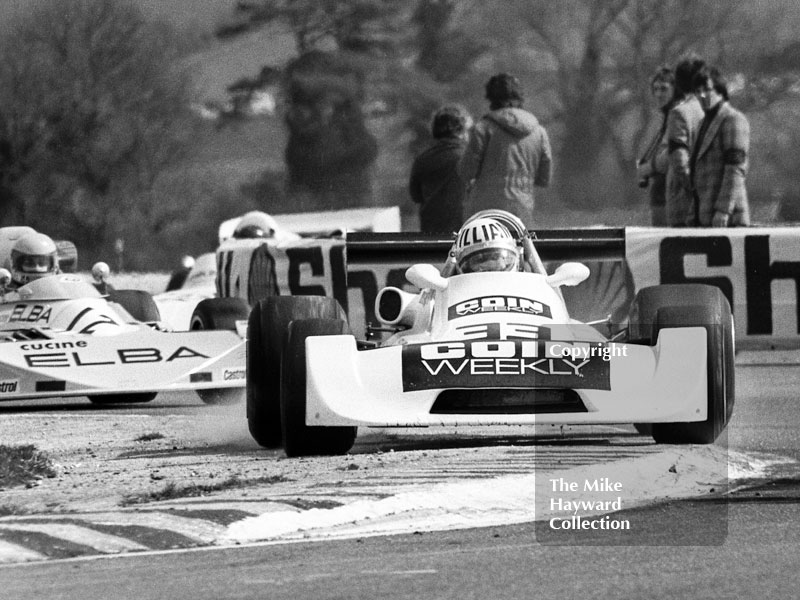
172 490
21 465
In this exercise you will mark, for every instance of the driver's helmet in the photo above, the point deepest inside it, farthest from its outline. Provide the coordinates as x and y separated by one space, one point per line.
485 244
255 224
33 256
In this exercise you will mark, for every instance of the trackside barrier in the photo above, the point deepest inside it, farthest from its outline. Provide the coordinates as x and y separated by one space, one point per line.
758 269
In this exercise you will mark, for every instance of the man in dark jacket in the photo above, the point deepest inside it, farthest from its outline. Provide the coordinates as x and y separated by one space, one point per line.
508 153
435 183
719 159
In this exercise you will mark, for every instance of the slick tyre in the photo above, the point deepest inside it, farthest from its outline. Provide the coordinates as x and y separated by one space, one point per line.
106 399
219 314
712 312
267 326
300 439
139 304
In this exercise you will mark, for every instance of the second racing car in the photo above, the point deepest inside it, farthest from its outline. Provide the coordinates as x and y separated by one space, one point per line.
60 336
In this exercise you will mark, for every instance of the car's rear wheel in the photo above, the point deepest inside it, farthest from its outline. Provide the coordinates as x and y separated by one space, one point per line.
139 304
267 326
123 398
693 305
300 439
219 314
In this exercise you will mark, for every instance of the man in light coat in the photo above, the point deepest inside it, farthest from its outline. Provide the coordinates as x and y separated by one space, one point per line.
508 153
720 159
683 122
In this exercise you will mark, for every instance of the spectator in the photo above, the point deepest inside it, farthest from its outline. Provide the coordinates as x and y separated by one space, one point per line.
435 183
719 158
652 167
683 122
508 153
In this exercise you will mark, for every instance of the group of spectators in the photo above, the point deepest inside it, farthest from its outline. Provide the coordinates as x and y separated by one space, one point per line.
495 163
694 167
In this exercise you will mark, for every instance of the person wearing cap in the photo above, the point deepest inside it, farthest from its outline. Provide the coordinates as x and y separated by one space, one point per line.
508 153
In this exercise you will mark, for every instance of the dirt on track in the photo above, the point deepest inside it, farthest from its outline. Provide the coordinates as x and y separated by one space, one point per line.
156 454
107 458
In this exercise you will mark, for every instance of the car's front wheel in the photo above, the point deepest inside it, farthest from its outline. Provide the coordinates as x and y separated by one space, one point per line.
218 313
138 303
300 439
716 321
267 326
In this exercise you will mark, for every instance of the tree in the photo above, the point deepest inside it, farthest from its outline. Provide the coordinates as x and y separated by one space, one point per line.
342 45
92 111
587 66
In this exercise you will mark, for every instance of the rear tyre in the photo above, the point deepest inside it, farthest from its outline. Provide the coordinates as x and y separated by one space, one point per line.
219 314
221 397
139 304
267 326
123 398
707 307
300 439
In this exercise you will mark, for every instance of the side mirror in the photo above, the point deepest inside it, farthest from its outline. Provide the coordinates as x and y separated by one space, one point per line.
5 277
569 274
426 276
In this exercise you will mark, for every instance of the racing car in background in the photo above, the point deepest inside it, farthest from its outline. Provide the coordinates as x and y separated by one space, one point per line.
190 301
60 336
485 347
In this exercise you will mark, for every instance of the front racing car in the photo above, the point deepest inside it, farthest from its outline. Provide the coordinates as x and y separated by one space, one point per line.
494 346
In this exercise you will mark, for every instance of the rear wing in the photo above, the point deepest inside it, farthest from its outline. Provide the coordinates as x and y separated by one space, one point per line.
590 244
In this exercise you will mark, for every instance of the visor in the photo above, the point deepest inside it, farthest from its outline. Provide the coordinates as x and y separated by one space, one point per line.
490 259
36 263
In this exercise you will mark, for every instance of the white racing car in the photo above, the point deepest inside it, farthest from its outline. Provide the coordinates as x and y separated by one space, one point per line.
59 336
489 340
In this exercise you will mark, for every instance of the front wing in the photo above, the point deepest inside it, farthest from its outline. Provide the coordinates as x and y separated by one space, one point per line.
141 361
645 384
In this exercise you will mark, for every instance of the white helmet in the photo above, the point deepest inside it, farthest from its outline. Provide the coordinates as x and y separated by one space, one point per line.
486 245
33 256
255 224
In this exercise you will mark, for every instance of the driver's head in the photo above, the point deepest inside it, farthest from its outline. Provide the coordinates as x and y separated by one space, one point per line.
33 256
255 224
486 245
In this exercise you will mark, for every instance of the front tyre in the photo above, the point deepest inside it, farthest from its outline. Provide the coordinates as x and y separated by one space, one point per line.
300 439
716 319
267 326
138 303
219 314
